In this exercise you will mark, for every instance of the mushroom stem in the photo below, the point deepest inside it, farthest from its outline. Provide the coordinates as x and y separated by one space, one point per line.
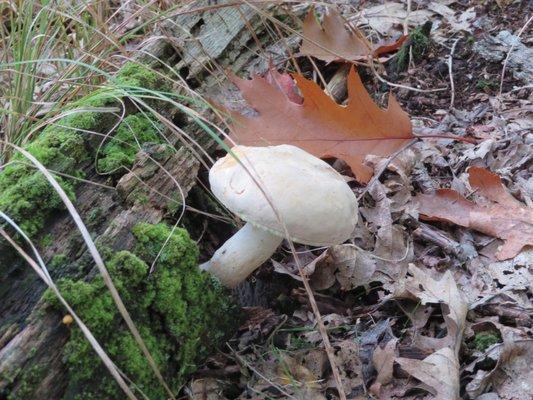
242 254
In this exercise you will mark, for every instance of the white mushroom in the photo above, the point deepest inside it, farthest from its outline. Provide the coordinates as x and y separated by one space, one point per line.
312 199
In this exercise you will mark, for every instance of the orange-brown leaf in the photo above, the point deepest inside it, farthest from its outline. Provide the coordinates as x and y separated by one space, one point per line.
319 125
334 40
337 41
500 215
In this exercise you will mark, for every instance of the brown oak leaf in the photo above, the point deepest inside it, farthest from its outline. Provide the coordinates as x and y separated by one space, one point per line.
499 214
337 41
319 125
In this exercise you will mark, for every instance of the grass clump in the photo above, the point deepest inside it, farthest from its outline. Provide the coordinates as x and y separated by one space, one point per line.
181 313
483 340
131 134
417 44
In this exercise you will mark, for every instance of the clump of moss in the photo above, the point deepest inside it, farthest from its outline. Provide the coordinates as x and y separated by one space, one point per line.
25 194
416 44
181 313
137 75
483 340
133 132
29 383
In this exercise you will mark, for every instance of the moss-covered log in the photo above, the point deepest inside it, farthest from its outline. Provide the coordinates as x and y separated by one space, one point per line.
33 340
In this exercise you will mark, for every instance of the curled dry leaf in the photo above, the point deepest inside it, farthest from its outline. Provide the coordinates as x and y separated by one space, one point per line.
336 41
512 377
501 215
383 360
439 371
319 125
445 292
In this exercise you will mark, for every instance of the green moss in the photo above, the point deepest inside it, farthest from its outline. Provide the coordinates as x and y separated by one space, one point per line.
485 85
417 44
483 340
131 134
58 260
25 194
29 383
137 75
181 312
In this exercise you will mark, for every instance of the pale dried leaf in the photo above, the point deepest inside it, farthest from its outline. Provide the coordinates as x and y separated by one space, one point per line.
383 360
439 371
445 292
382 18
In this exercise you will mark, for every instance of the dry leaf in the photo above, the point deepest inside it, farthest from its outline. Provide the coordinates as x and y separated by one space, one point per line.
383 360
383 17
354 267
461 23
512 377
445 292
350 368
439 371
501 216
337 41
334 40
291 372
206 389
319 125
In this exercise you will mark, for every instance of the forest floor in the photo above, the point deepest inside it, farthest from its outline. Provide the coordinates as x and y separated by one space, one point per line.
391 323
432 297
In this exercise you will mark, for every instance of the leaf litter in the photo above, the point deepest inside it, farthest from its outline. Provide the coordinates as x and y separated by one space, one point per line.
431 298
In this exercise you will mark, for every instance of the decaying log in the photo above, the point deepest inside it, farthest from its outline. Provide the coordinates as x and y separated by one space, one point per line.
192 42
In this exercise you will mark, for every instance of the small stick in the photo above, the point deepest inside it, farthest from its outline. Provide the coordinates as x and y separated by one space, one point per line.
509 54
450 72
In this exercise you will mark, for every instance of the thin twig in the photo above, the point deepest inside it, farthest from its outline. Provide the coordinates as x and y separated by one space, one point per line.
450 72
509 53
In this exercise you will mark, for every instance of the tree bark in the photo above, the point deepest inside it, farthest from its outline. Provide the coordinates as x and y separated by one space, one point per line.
31 337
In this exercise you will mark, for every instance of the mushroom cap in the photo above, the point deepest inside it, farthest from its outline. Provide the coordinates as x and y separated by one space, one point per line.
313 200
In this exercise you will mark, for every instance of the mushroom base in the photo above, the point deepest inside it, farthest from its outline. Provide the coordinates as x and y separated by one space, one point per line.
242 254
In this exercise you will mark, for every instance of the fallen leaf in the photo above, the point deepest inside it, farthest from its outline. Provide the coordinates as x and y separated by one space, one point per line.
206 389
284 83
512 375
383 360
383 17
334 40
319 125
439 371
291 372
354 267
421 286
461 23
515 273
347 358
500 215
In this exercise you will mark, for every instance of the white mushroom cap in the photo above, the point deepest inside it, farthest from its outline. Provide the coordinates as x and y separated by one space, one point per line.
313 200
